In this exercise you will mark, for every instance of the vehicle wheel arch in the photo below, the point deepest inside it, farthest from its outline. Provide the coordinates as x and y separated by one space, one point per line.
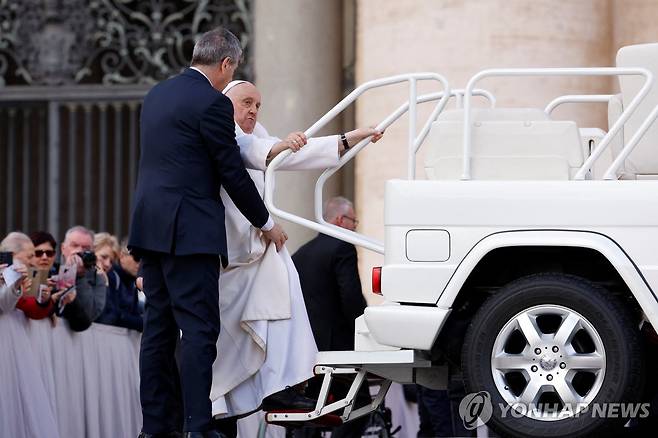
465 293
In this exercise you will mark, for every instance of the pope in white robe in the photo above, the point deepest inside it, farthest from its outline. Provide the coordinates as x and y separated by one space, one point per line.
265 342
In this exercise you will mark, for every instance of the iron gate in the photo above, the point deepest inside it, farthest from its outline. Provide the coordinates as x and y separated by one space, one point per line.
70 158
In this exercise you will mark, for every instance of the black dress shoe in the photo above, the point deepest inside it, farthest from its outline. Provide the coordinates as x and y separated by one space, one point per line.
161 435
288 399
206 434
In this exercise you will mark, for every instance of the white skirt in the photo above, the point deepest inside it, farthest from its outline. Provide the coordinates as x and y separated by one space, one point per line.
289 347
111 382
69 380
40 333
25 409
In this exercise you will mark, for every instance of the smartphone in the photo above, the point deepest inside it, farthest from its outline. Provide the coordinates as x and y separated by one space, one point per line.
65 277
39 278
6 258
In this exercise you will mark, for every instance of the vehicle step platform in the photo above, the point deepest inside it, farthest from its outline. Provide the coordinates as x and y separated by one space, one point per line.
365 359
356 365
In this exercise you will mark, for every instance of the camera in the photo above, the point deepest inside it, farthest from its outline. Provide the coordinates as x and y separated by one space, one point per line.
88 259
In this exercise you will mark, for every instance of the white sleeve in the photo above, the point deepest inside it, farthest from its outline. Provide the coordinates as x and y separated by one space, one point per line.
318 153
254 150
9 296
268 225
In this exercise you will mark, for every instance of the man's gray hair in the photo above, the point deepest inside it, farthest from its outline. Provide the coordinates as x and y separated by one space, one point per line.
15 242
214 46
78 229
335 207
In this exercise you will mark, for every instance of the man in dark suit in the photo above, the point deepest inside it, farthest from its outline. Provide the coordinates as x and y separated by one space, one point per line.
188 151
329 276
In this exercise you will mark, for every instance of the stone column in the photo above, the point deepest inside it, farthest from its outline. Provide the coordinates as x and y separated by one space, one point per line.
298 69
457 39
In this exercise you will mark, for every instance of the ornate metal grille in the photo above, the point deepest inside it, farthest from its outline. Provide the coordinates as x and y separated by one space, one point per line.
65 42
72 77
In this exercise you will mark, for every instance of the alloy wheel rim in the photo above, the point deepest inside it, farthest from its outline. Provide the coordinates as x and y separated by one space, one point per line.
563 362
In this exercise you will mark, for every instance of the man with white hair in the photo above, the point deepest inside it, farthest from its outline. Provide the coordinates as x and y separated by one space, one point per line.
89 283
246 101
328 271
266 342
20 245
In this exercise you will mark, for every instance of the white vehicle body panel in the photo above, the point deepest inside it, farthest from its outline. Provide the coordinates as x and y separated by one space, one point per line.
405 326
616 218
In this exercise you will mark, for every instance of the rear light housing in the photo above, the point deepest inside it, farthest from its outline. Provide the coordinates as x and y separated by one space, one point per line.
377 280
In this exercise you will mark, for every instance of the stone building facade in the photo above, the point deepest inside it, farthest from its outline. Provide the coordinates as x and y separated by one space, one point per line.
458 38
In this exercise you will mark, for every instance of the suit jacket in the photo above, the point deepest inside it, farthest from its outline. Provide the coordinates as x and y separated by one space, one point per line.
331 286
188 151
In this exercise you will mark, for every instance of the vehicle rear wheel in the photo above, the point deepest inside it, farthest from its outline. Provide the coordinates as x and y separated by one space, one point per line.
545 348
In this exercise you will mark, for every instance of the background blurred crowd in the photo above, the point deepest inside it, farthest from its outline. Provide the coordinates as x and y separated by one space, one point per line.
71 318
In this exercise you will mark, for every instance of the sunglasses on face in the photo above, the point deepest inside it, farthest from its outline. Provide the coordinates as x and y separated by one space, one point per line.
47 252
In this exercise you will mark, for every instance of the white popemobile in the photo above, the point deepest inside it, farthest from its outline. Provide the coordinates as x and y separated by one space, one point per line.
529 257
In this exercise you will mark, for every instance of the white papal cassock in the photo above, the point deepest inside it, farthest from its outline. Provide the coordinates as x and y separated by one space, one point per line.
265 342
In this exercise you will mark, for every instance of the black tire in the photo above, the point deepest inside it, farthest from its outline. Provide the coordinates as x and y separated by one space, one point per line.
624 372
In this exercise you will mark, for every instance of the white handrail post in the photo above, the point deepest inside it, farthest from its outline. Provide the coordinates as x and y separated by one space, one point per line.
459 99
468 91
411 161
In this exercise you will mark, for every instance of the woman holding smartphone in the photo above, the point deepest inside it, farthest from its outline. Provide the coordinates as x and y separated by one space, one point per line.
25 405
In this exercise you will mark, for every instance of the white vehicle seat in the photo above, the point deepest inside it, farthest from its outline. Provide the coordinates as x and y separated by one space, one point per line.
642 163
507 144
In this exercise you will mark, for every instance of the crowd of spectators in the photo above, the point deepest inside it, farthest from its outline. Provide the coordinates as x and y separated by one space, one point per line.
70 319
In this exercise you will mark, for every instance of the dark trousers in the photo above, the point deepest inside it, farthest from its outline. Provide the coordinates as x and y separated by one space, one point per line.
181 294
439 410
434 412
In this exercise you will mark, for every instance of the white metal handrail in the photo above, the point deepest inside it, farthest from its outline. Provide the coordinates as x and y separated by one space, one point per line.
388 121
341 233
611 172
603 71
577 98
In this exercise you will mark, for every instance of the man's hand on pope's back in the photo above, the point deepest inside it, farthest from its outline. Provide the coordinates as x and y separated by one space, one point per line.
276 235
